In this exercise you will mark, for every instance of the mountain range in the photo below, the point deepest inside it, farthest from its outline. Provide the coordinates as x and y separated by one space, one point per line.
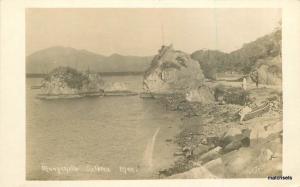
243 60
45 60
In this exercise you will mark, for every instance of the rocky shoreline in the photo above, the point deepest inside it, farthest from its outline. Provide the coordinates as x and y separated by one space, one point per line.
214 144
230 129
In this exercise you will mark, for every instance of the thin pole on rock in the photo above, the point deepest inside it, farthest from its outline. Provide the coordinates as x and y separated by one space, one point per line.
162 28
162 33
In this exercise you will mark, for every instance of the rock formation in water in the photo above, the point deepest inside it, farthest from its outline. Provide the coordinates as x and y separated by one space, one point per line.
66 80
174 71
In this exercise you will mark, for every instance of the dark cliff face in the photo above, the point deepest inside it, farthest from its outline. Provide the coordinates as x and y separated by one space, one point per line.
172 71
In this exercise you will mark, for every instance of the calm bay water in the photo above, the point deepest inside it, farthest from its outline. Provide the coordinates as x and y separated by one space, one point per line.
98 138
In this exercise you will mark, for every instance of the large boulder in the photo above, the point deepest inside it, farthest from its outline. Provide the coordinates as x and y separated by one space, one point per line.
172 71
202 94
210 155
216 167
262 131
236 161
234 139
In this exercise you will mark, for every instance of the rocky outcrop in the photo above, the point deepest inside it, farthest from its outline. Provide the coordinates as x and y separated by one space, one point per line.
175 72
268 71
213 141
65 80
172 71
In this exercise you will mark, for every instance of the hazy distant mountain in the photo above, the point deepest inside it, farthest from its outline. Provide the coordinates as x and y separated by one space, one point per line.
45 60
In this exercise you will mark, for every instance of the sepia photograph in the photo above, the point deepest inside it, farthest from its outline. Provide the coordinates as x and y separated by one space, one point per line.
153 93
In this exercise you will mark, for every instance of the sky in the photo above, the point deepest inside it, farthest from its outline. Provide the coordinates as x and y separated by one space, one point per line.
141 32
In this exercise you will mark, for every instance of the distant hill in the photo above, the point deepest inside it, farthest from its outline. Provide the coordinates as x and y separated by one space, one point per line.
243 60
211 61
247 58
45 60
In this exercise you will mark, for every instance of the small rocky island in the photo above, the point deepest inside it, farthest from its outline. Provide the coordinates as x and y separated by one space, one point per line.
68 83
